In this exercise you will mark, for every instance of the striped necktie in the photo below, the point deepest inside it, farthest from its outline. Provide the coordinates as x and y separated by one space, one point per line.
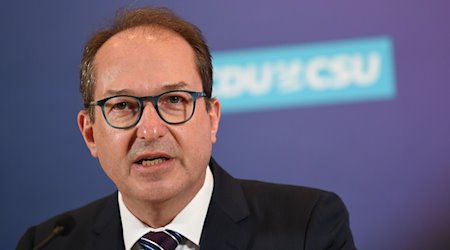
163 240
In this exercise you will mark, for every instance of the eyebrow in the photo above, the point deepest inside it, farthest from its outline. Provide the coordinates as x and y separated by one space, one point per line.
174 86
166 87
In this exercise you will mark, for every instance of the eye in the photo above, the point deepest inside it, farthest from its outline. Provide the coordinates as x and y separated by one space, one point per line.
121 105
175 99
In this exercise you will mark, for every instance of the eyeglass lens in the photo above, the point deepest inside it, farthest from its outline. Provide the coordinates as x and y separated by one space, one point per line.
172 107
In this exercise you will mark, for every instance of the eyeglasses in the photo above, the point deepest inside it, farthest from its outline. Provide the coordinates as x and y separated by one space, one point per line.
125 111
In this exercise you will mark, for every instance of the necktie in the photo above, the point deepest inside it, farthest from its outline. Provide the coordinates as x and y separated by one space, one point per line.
163 240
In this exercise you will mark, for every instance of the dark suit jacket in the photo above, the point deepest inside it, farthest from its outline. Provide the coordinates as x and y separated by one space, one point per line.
242 215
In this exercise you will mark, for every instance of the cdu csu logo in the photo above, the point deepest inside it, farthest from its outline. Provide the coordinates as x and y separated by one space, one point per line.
300 75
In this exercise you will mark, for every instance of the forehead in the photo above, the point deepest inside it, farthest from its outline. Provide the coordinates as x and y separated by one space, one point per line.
143 33
145 57
141 39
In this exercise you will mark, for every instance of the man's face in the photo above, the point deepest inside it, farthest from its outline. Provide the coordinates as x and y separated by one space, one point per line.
142 62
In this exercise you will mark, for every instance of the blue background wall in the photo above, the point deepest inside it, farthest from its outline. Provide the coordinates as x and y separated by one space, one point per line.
387 159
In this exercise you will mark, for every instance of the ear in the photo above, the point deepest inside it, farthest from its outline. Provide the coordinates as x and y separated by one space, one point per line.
214 117
86 129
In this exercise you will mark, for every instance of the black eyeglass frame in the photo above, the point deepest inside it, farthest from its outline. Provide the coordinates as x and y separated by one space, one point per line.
154 100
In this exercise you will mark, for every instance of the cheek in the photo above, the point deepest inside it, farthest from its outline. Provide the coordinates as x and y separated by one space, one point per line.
195 139
112 156
111 145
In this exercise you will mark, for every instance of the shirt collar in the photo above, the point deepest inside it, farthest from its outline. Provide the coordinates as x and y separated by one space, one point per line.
189 222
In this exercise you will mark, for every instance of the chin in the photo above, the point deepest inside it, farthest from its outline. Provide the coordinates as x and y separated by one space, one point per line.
154 193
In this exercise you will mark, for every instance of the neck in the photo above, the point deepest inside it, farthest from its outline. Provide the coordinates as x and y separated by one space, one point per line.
159 213
153 214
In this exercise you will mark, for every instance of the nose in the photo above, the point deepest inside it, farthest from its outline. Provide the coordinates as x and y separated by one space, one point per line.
151 126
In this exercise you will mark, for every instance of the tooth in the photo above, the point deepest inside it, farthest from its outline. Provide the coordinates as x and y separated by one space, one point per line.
152 162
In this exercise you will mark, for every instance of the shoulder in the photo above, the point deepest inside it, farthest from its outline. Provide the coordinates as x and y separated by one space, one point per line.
319 216
86 219
297 200
266 200
275 212
255 187
88 213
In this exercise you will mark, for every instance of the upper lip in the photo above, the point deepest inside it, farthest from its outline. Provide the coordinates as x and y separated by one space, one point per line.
152 155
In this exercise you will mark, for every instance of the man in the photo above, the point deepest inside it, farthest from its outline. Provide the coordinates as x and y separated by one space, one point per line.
150 120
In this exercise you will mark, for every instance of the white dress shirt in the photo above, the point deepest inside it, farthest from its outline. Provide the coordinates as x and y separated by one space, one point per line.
189 222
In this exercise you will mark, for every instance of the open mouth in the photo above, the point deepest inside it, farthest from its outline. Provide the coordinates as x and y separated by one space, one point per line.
152 161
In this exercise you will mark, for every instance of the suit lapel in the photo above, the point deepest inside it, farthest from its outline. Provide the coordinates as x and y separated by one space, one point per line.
227 224
107 227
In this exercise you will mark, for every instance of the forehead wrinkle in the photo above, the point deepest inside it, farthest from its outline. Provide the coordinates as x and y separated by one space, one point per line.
165 87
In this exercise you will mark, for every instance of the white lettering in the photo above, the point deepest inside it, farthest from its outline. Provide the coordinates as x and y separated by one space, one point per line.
258 82
228 82
372 74
319 73
288 76
341 66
